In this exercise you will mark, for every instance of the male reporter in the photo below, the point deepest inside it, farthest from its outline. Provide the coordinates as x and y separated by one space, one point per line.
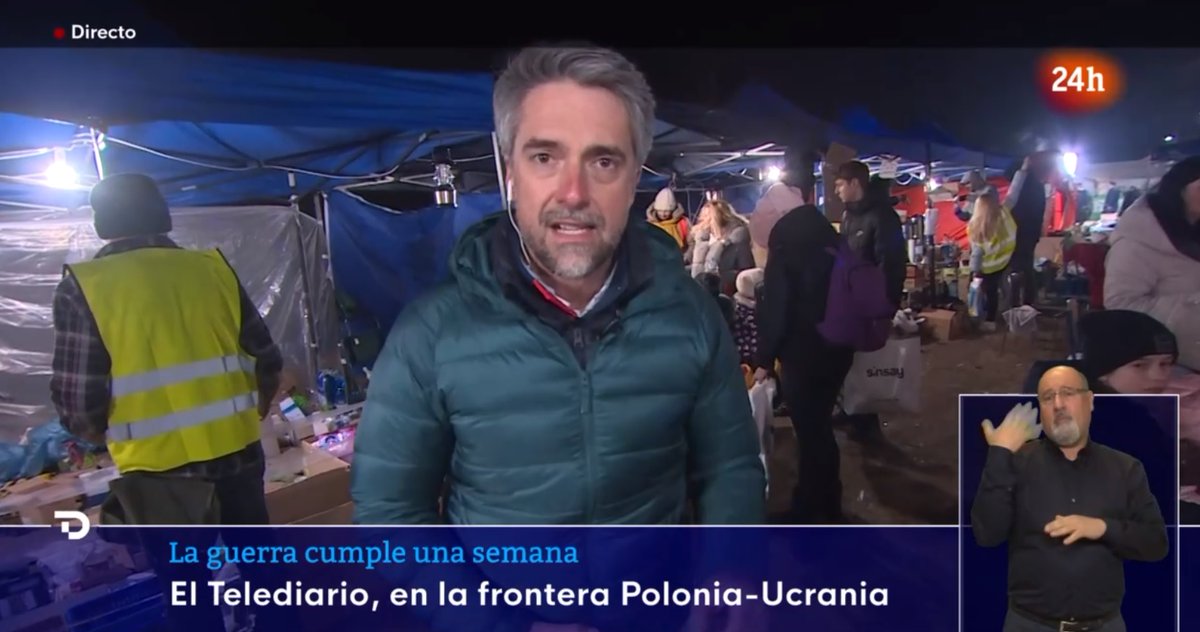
1072 511
570 372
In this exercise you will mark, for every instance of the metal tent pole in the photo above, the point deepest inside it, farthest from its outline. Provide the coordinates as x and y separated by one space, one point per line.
931 241
322 201
306 285
96 140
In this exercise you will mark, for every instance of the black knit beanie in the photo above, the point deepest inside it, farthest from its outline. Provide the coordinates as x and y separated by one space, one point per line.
129 205
1113 338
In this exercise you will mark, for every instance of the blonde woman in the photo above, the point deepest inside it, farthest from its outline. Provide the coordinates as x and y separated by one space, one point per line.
993 236
720 244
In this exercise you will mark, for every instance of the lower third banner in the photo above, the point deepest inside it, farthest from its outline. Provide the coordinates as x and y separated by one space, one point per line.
486 578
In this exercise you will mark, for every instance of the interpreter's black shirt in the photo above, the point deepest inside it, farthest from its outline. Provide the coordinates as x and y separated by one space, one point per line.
1019 494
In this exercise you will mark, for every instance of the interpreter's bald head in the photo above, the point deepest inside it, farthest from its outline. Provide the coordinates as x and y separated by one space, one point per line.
1066 404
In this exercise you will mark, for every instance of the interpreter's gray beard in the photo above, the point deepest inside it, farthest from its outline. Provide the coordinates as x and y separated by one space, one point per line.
1065 434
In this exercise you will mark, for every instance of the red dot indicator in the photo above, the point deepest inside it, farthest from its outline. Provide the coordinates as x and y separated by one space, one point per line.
59 32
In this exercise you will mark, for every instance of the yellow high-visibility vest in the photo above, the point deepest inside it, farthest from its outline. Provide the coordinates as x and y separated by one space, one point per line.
998 250
183 391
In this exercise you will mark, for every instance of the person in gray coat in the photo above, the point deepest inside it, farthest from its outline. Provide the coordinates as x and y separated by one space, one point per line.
720 244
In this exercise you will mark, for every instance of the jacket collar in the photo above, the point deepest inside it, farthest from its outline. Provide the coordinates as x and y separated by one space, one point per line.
633 269
135 243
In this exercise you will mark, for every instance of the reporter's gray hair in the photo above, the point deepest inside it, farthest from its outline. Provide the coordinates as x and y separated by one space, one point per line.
591 67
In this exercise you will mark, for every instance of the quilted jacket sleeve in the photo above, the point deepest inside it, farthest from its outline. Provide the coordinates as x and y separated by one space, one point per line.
403 443
401 456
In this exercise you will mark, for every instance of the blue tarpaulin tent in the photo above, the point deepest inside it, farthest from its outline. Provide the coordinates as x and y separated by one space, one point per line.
215 131
385 259
220 129
865 134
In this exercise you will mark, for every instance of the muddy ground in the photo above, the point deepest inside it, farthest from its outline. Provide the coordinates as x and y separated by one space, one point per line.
910 474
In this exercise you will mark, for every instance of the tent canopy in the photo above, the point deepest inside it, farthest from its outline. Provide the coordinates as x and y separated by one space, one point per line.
220 129
865 134
1128 171
1177 150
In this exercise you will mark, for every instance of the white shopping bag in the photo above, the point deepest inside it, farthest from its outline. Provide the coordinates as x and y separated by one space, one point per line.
975 306
761 396
887 380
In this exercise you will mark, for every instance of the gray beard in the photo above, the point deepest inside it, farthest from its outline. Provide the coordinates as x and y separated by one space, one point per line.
573 262
1065 434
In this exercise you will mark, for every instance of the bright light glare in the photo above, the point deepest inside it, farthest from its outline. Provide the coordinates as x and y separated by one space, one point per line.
1168 138
934 184
60 174
1070 162
774 174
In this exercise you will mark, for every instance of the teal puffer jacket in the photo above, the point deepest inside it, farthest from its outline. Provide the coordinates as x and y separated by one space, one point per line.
473 387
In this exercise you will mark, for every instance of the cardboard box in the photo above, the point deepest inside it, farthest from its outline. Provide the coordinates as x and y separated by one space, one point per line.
1049 248
42 512
944 325
340 515
34 501
324 484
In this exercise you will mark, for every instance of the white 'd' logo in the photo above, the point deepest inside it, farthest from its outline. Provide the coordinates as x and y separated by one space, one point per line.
66 517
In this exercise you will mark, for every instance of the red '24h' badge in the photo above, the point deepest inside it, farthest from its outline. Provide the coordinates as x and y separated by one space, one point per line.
1079 81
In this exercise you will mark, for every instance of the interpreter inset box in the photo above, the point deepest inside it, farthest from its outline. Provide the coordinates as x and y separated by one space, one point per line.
1069 505
1189 577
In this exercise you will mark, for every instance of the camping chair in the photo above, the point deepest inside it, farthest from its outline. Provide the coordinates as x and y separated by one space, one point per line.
1013 294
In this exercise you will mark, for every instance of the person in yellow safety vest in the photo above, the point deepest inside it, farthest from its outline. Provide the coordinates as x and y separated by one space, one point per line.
993 237
161 354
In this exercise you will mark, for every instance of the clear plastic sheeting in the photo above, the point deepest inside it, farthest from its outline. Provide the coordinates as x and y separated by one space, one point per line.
278 253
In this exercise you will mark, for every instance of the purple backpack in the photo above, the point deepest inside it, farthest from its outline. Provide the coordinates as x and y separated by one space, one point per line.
858 313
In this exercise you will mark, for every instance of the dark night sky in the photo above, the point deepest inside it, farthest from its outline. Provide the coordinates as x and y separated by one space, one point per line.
985 98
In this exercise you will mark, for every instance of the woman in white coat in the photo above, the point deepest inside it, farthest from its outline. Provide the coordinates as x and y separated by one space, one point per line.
1153 265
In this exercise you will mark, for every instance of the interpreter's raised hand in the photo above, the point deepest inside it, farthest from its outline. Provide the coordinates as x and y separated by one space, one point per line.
1019 426
1076 528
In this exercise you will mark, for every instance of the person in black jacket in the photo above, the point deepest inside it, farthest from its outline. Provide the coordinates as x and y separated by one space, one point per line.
794 290
873 230
871 225
1029 213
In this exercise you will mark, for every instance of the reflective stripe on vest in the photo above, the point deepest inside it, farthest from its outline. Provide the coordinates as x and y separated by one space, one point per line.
998 251
180 373
183 390
146 428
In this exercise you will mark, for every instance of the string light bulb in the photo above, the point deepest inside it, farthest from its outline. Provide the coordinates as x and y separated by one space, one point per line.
59 174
